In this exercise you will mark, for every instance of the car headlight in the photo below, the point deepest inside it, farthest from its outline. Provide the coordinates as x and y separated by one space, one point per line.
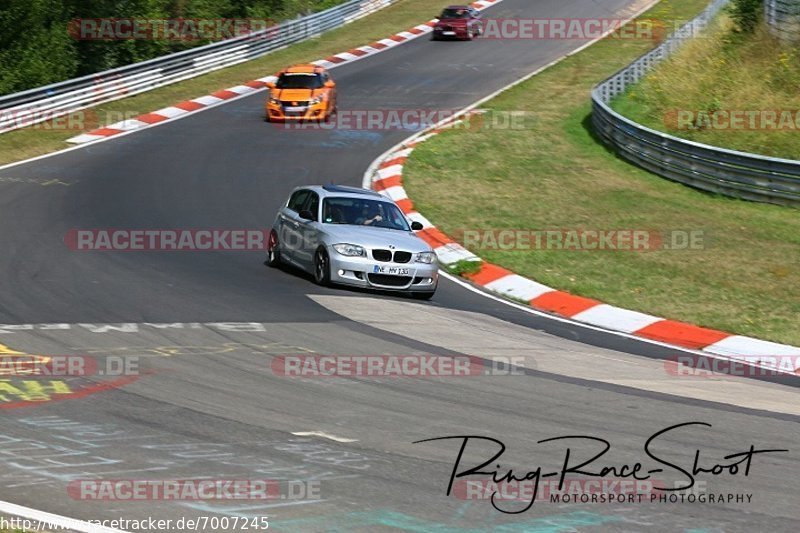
350 250
426 257
273 100
317 100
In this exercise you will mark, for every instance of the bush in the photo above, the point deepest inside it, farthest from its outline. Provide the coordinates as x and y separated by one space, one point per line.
746 14
36 48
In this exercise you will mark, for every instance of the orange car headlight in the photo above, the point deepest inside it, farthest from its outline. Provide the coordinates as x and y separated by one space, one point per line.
316 100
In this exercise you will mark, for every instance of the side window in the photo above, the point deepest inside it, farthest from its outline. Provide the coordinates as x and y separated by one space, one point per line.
312 204
297 200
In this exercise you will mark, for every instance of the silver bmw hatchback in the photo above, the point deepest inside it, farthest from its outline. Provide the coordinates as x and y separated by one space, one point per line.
352 236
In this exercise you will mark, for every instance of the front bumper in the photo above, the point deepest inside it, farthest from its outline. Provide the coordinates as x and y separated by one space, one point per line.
360 272
451 33
278 112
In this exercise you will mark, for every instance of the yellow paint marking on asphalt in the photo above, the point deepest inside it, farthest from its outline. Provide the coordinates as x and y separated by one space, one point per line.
54 182
6 350
29 365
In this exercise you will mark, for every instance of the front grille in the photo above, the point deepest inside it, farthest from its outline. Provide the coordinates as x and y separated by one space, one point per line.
287 103
402 257
382 255
389 281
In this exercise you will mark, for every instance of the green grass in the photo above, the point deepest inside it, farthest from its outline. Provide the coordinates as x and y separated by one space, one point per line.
555 174
723 71
33 141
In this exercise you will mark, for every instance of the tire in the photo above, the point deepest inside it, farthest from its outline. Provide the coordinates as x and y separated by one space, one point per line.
322 267
422 295
273 251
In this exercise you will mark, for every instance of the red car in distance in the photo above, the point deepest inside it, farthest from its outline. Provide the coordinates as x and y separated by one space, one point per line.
458 22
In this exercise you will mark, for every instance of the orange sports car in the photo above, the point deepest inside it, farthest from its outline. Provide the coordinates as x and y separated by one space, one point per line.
302 92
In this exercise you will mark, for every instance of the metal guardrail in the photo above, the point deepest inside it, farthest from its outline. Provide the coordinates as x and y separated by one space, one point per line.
738 174
783 18
45 103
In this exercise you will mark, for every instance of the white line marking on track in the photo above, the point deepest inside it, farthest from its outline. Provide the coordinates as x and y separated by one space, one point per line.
323 435
53 521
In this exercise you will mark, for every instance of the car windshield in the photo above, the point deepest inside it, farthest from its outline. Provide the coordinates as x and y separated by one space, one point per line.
299 81
455 14
363 212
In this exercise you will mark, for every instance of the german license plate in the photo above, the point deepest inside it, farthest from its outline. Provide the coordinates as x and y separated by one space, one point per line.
390 270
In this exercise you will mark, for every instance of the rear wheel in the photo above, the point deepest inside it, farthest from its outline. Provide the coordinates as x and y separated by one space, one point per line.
273 250
322 267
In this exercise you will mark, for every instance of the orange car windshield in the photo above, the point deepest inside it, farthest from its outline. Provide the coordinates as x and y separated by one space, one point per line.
299 81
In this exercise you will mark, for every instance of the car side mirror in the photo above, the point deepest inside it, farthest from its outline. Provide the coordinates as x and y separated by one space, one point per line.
270 84
305 214
416 226
330 84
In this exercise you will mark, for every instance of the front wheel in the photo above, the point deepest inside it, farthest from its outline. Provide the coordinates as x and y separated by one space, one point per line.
322 267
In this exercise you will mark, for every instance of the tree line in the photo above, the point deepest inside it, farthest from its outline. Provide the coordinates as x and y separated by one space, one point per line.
39 44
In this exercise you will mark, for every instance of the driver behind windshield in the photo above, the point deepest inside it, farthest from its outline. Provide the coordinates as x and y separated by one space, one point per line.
454 14
299 81
369 215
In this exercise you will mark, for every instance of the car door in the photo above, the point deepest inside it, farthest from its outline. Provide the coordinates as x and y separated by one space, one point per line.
289 225
308 232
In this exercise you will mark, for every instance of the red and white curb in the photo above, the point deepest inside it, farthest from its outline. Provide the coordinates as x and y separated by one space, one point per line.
204 102
385 176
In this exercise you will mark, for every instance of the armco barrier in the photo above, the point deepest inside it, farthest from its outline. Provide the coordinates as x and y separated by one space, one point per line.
45 103
738 174
783 18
